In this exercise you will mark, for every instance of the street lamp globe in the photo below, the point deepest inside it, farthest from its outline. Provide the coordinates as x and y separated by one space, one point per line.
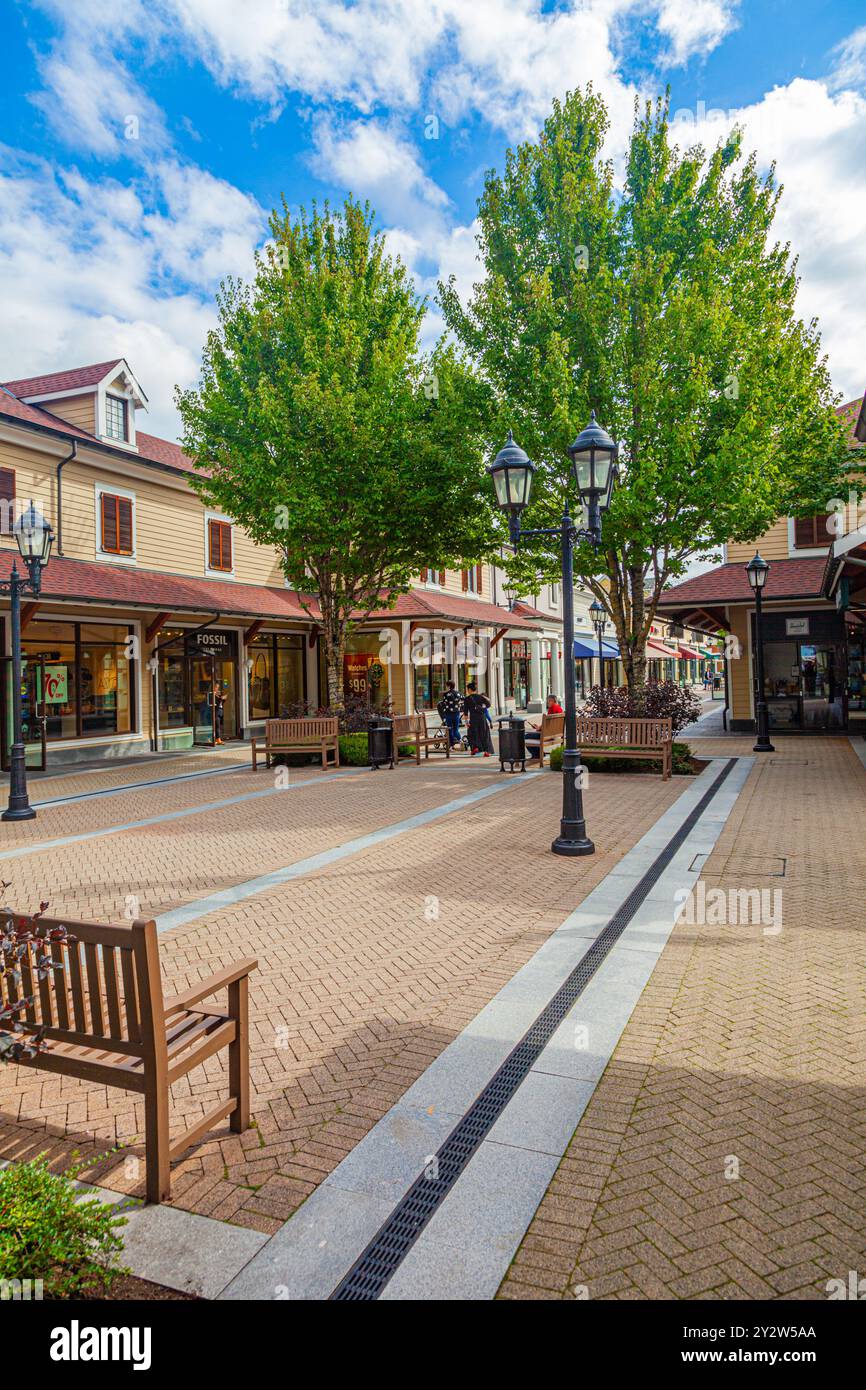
599 616
34 537
757 570
593 458
512 472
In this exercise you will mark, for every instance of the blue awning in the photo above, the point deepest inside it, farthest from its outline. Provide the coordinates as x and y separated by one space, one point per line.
585 648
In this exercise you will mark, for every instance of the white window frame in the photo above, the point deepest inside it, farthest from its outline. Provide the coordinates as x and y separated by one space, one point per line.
554 595
114 490
208 518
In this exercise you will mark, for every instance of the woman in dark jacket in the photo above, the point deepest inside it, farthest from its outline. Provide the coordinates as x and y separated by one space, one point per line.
475 708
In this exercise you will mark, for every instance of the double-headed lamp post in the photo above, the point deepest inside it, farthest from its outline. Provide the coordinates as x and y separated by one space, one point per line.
599 622
35 539
757 570
593 458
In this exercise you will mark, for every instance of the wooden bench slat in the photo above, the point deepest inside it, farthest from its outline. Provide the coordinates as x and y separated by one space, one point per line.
119 1034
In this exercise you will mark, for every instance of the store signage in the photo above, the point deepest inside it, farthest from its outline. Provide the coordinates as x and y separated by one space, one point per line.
356 673
219 643
796 627
56 685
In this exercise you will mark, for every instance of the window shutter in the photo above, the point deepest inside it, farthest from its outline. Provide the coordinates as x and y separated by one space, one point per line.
7 496
226 548
442 578
213 545
424 576
124 525
109 522
464 575
805 532
479 574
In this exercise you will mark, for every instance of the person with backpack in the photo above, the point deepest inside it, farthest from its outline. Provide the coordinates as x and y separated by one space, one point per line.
449 709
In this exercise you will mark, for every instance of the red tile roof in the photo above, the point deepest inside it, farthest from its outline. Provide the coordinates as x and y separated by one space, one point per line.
526 610
129 586
729 584
12 408
853 415
61 381
150 446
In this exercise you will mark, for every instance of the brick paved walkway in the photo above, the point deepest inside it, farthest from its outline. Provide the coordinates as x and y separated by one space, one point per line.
721 1155
368 968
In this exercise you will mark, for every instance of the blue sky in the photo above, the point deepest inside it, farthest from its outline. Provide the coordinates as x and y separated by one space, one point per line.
143 144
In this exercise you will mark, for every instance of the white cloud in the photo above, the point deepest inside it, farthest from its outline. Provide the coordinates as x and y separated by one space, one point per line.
694 27
88 269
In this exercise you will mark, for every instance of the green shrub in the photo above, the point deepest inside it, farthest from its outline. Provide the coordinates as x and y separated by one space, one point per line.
681 762
48 1231
353 750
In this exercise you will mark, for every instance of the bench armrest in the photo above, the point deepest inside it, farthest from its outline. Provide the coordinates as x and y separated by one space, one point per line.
212 985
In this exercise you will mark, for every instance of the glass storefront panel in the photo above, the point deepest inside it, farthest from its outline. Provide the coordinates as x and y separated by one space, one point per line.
290 671
365 674
79 677
276 675
261 654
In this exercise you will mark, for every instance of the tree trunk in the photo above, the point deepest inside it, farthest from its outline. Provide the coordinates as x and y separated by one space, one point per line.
334 633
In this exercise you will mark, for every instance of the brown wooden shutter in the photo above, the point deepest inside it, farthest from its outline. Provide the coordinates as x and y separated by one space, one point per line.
213 545
479 578
806 533
442 578
109 522
464 575
124 526
7 497
226 546
424 576
219 545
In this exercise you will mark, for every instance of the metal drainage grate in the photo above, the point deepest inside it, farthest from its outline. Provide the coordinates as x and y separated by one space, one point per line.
396 1236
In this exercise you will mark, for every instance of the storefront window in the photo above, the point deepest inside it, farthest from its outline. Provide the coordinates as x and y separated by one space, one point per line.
276 674
365 675
172 680
79 678
516 671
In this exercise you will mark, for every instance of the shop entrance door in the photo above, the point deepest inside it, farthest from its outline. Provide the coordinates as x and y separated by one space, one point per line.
212 681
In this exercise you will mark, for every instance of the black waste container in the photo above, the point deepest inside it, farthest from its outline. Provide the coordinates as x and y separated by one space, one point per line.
512 743
380 741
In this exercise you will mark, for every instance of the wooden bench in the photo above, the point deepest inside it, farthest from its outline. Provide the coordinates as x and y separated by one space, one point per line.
107 1022
550 734
299 736
411 729
627 738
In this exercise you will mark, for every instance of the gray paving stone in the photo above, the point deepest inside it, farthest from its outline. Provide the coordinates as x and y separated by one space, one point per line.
388 1160
315 1248
543 1114
434 1272
187 1252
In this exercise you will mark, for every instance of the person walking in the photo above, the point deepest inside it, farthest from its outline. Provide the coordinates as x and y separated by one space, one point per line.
475 707
219 709
449 709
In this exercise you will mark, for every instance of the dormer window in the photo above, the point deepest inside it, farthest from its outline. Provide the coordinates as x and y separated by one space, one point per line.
116 418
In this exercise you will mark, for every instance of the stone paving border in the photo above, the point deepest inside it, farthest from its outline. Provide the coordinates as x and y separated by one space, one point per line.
198 809
466 1248
239 892
137 786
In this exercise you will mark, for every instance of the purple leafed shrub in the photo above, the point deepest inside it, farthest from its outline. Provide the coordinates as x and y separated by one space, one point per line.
656 700
18 1038
354 717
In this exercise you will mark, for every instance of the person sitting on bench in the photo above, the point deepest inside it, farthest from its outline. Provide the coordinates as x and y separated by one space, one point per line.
533 739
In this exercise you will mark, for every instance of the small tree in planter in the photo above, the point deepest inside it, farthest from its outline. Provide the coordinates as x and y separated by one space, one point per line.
656 700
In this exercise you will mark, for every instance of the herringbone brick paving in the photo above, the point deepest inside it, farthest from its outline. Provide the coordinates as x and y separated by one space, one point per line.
721 1155
368 969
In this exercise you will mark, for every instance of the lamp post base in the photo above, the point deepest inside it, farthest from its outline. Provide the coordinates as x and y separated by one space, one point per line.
564 844
763 746
14 813
762 731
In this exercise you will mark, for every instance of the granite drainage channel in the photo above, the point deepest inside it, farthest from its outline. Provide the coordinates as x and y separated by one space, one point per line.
392 1242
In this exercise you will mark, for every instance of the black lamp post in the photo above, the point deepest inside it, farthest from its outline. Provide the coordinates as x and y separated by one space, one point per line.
599 622
757 569
35 538
593 457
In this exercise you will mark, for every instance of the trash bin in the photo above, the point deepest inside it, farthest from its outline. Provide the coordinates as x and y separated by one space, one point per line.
380 741
512 742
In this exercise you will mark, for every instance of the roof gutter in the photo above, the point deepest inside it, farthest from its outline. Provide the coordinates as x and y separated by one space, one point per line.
95 444
60 467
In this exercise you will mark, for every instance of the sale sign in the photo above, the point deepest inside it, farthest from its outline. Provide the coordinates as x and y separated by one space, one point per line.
356 673
56 685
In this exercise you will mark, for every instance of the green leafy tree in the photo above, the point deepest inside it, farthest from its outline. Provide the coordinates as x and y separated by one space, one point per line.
322 429
666 306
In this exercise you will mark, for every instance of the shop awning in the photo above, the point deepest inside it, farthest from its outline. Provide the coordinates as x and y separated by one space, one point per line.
658 651
585 648
714 656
